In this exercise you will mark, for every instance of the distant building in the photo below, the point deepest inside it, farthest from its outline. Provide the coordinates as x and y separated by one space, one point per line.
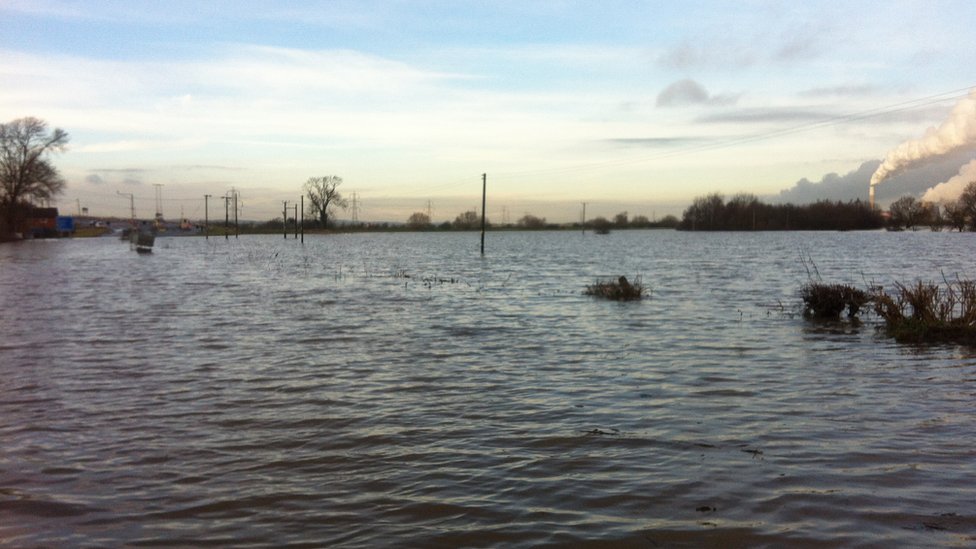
41 223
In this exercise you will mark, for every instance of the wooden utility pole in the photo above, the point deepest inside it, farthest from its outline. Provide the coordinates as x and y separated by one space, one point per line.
226 217
284 217
132 205
296 221
302 201
206 216
484 192
583 218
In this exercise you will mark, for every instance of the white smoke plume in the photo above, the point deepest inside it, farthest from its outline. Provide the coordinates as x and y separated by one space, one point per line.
958 131
951 190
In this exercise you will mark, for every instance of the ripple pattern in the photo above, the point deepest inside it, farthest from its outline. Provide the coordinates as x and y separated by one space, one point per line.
398 390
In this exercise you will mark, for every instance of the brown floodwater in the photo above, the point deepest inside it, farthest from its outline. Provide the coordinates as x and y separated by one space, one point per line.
399 390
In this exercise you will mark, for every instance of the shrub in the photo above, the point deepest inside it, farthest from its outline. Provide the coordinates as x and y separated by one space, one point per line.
923 313
618 290
829 300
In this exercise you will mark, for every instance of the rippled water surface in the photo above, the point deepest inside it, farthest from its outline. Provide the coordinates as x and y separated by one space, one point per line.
398 390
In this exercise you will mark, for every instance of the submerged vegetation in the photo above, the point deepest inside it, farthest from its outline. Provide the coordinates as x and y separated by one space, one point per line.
830 300
924 313
916 313
617 290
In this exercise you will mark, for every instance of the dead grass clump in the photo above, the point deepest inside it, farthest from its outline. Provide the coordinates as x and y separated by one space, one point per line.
829 300
930 313
618 290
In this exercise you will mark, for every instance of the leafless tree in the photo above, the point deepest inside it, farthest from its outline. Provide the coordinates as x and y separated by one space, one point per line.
954 215
323 196
620 220
467 221
907 212
967 202
418 220
26 174
529 221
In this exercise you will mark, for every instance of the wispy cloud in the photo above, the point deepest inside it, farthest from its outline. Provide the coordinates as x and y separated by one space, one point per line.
689 92
762 116
657 142
862 90
690 56
49 8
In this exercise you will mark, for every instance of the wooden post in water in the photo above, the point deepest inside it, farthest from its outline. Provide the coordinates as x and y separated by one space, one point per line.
303 217
284 218
484 189
296 221
206 216
226 217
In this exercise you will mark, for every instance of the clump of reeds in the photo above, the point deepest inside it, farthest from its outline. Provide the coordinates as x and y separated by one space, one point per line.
618 290
829 300
924 312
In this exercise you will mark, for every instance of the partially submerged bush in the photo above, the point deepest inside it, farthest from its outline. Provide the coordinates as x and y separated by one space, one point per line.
923 313
829 300
619 290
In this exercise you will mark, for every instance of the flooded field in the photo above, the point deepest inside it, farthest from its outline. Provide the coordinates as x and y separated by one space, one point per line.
399 390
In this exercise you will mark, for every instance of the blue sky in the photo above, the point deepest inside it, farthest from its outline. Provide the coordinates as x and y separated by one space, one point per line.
636 106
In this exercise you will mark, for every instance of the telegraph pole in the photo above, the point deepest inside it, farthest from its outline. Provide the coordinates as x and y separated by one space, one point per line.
302 200
237 227
206 216
583 218
284 218
484 192
296 221
159 201
132 205
226 217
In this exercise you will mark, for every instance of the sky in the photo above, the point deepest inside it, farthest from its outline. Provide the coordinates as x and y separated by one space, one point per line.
635 106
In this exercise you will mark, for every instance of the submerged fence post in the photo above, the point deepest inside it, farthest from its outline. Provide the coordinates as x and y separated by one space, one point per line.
484 189
303 217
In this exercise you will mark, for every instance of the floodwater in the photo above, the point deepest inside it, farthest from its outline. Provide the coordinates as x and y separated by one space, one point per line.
399 390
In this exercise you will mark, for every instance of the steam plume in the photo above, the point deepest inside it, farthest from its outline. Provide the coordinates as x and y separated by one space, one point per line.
956 132
951 190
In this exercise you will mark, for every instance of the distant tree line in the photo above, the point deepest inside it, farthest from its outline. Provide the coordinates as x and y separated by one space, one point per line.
745 212
471 220
910 213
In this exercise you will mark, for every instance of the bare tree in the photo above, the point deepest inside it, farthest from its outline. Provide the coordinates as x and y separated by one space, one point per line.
620 220
467 221
529 221
907 212
954 215
26 174
967 202
418 220
323 196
